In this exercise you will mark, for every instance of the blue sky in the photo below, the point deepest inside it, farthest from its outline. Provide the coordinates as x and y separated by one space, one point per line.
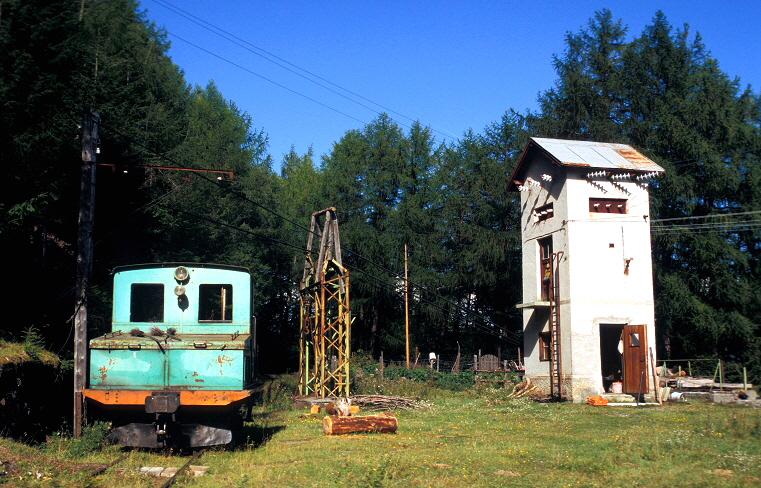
452 65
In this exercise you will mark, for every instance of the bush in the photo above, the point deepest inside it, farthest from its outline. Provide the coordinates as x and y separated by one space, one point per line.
278 392
455 381
34 347
362 363
94 438
419 382
402 387
447 381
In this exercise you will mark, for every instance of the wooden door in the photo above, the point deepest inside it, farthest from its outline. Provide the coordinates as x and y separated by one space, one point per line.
635 359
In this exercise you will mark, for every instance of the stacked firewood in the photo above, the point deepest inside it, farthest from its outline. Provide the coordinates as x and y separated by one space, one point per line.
385 402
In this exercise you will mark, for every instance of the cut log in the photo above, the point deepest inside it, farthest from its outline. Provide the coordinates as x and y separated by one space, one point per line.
335 425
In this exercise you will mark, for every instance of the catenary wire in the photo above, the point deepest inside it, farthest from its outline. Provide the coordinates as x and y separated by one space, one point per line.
714 226
245 198
483 326
267 79
282 62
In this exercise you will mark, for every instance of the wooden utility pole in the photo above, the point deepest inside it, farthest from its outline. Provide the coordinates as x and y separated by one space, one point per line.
406 308
84 260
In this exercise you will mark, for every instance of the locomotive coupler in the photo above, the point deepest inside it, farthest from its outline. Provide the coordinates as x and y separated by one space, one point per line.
163 404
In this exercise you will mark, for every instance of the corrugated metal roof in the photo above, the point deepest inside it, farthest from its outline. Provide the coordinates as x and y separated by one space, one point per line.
596 154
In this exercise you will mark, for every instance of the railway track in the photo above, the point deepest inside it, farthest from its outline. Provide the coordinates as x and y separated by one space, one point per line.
183 468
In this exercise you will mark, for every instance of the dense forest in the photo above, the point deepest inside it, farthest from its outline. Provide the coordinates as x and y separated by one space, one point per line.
659 90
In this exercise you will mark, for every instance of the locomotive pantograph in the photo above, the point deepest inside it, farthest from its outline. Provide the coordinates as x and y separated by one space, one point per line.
177 368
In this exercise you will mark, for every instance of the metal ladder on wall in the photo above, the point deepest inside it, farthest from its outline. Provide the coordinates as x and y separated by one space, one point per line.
556 365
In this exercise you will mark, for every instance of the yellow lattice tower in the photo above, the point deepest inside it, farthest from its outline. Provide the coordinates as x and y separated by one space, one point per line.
325 316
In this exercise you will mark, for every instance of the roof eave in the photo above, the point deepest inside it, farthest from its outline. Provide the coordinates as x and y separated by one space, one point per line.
512 185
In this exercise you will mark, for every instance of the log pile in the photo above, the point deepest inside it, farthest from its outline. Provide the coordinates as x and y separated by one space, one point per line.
335 425
521 389
384 402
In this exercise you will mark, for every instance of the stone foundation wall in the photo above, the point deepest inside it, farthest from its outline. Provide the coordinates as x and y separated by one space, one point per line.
575 388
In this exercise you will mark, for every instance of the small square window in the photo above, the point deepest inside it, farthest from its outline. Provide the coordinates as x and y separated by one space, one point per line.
607 205
543 213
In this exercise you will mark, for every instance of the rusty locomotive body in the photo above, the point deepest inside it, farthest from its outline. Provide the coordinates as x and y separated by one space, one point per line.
177 368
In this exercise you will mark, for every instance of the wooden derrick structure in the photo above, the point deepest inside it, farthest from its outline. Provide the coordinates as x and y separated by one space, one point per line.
324 316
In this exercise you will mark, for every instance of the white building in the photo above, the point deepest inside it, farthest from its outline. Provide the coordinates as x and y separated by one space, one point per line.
588 313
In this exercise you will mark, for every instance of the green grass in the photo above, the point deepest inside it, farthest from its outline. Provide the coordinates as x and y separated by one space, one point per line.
472 438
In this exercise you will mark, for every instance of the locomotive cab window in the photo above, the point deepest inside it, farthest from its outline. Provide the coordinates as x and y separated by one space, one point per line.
146 302
215 303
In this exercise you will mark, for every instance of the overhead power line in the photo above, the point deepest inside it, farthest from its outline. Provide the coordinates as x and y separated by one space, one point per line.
284 64
710 216
204 177
457 306
268 80
508 336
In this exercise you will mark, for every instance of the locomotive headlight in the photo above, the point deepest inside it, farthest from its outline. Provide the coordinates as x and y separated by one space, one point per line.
181 274
179 290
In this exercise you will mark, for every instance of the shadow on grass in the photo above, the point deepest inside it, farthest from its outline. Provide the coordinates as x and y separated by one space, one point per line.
256 433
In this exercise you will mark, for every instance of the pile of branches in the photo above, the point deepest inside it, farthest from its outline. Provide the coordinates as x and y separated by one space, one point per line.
523 388
384 402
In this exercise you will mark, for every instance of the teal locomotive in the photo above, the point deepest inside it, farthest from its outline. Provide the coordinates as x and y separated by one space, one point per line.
177 368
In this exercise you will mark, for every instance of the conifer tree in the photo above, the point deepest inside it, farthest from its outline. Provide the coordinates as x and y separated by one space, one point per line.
663 93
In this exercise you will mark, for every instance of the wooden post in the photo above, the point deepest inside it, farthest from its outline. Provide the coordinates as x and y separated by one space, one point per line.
406 308
713 382
456 367
656 383
84 261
